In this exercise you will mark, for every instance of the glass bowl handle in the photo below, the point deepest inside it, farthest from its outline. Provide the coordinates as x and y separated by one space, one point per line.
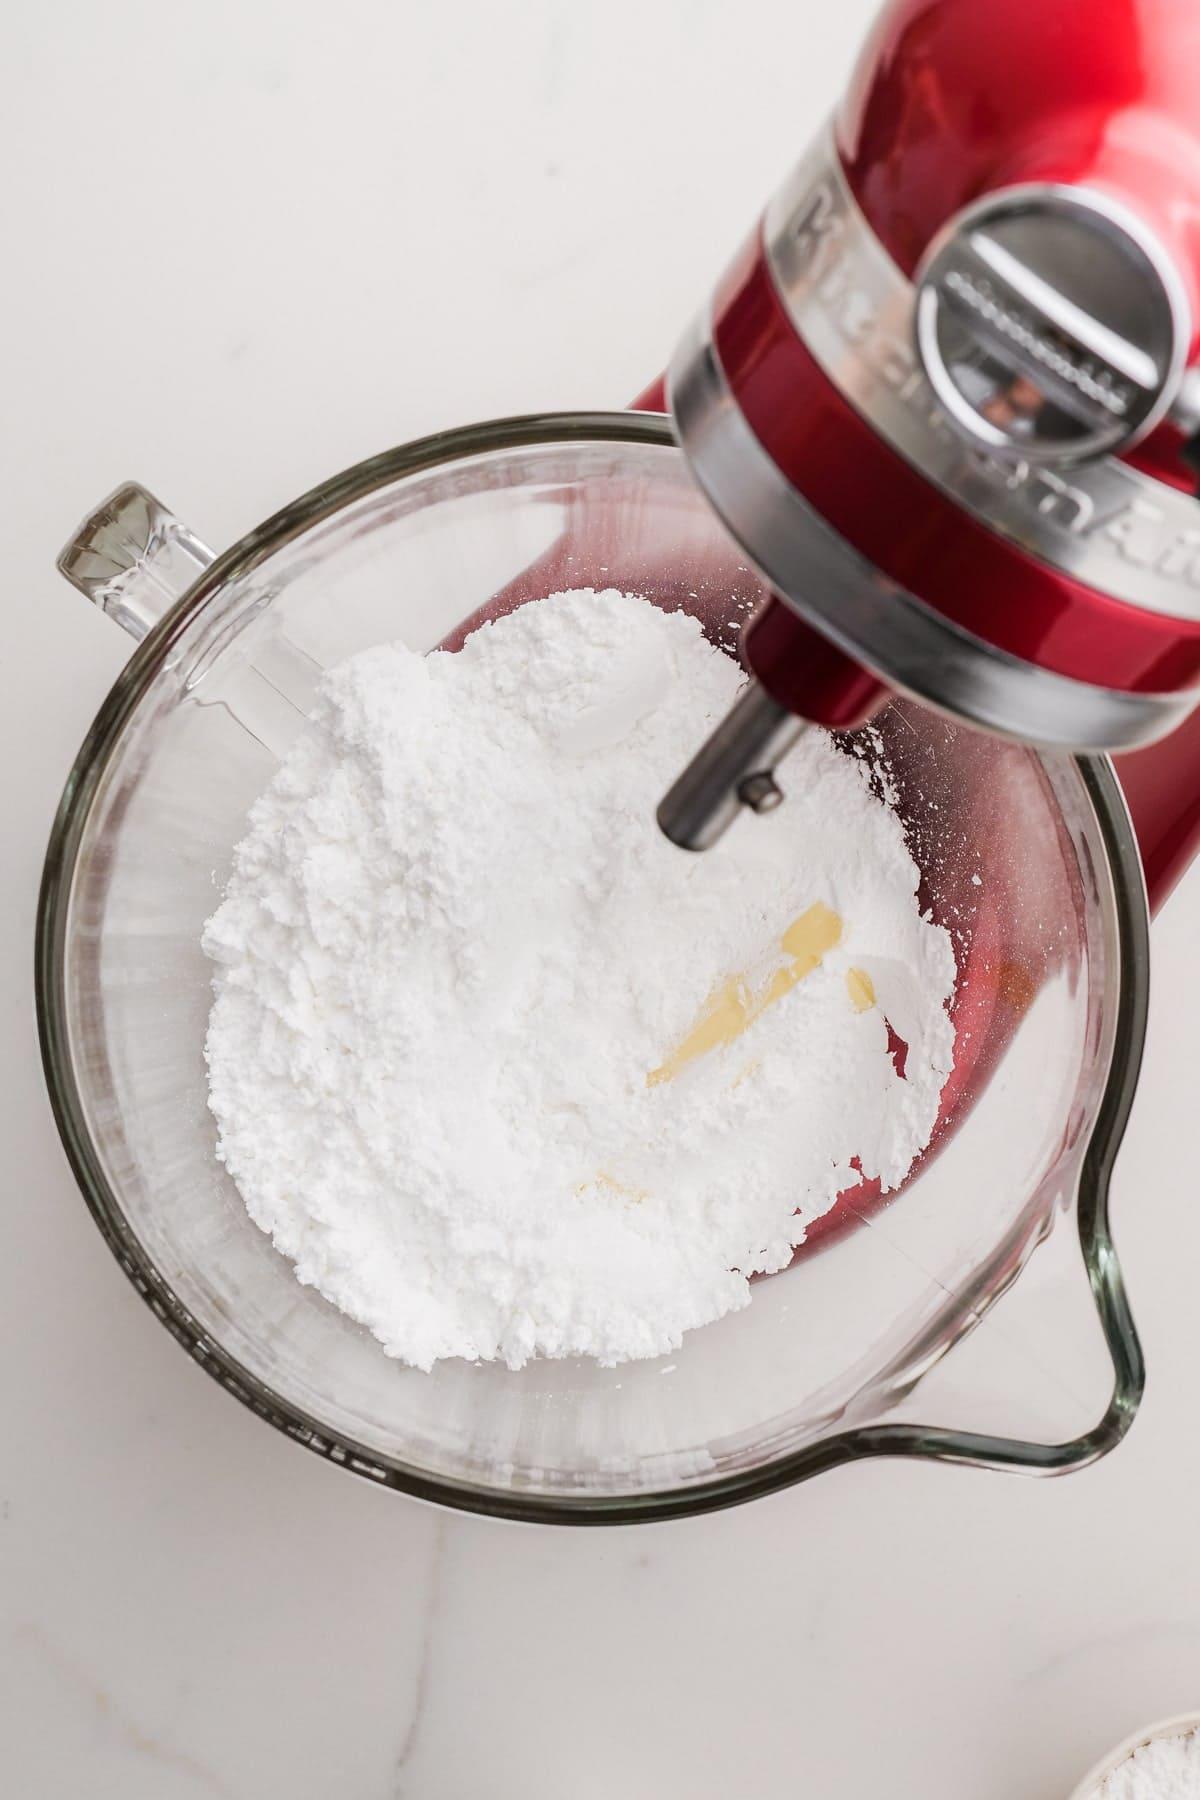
133 559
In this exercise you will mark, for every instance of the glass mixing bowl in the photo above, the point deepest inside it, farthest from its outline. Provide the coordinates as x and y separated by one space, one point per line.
1028 859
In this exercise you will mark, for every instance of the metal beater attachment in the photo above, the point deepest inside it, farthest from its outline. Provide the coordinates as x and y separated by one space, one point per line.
735 768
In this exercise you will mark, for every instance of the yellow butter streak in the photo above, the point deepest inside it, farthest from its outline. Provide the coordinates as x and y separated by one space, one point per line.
861 989
609 1184
734 1006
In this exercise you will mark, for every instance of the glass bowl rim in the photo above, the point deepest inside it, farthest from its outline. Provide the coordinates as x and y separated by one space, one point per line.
934 1443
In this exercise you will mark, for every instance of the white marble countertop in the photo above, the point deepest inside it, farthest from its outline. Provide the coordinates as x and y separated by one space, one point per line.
250 242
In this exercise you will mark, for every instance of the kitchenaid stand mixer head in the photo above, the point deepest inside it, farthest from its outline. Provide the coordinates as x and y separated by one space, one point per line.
942 398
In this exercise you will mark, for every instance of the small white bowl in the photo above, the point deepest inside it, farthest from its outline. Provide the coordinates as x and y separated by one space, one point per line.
1179 1726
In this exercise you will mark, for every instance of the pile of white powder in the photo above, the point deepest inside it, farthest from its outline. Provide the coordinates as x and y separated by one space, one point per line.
458 1054
1164 1769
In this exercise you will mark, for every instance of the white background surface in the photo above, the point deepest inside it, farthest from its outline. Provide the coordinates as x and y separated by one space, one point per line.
248 243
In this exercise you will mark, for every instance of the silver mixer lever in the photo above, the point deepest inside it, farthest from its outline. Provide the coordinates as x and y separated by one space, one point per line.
735 768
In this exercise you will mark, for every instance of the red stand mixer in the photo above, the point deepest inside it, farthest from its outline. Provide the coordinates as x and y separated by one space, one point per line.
943 400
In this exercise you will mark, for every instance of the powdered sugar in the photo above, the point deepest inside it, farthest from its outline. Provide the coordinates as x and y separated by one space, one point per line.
455 950
1166 1768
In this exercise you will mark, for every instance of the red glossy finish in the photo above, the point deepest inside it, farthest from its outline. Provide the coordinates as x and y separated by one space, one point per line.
1161 455
806 673
914 533
1162 786
653 398
953 98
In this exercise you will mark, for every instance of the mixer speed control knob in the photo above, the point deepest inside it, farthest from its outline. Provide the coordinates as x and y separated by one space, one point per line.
1051 324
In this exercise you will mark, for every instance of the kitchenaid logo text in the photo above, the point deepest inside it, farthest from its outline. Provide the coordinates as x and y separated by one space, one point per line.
879 332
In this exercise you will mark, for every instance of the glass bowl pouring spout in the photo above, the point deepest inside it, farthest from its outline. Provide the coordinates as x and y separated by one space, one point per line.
1028 860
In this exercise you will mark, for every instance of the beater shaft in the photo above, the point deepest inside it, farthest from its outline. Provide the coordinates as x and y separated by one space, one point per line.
734 768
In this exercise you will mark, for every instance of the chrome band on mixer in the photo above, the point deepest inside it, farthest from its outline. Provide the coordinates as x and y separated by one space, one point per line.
829 585
1100 522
